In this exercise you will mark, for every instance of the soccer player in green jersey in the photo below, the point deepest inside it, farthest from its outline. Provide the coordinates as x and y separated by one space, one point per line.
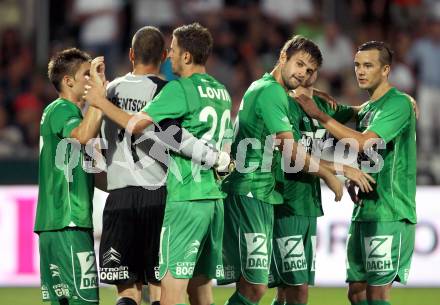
192 230
64 211
294 232
381 237
249 213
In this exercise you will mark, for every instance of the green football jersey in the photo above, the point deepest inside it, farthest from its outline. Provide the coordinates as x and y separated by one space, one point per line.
207 115
392 118
65 191
263 113
302 191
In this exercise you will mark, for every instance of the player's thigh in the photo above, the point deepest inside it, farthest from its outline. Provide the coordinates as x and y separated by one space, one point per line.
183 234
355 270
126 243
68 266
388 249
294 244
149 229
248 252
210 258
231 253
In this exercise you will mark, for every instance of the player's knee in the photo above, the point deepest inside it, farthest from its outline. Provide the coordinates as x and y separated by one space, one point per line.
302 292
281 295
200 299
352 297
297 294
356 292
355 296
129 291
378 292
253 292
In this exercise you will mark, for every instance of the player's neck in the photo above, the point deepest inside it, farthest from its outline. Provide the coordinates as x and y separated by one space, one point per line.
276 73
379 91
193 69
72 98
140 69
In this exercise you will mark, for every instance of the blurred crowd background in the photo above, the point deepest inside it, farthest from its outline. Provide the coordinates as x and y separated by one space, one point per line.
248 35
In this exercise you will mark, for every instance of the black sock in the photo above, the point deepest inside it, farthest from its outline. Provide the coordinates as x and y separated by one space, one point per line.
63 301
126 301
155 303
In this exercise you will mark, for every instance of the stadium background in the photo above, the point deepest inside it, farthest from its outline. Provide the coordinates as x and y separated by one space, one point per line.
248 35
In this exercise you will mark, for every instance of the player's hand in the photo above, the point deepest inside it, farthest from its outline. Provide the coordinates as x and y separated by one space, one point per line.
326 97
301 91
95 92
97 70
224 165
335 185
308 105
222 162
351 188
361 179
306 88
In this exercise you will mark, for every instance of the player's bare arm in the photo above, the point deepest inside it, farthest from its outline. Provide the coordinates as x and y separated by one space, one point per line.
89 126
332 101
298 152
95 94
359 178
338 130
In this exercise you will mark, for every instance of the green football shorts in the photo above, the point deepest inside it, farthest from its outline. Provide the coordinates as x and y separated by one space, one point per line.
191 239
294 249
380 252
247 244
68 266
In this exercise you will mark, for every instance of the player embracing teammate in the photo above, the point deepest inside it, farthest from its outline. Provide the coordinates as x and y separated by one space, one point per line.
381 237
273 196
192 231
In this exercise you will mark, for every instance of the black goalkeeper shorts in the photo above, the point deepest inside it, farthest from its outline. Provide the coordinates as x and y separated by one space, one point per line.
131 226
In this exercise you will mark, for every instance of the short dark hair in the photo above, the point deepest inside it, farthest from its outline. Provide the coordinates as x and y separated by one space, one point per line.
196 40
299 43
66 62
148 45
385 52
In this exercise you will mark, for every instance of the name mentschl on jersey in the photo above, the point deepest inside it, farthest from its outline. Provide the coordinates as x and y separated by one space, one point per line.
129 104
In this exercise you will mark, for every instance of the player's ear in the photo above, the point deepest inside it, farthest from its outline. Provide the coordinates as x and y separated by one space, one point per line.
164 55
131 54
283 58
386 70
68 81
187 58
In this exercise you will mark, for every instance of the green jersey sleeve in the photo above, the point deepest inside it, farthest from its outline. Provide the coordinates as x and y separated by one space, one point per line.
392 118
272 106
170 103
343 114
64 119
295 116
